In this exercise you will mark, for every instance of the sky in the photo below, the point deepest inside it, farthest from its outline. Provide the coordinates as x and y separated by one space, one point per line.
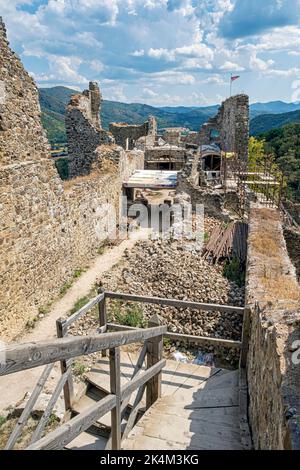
161 52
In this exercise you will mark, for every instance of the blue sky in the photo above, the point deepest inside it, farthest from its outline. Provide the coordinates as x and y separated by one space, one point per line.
161 52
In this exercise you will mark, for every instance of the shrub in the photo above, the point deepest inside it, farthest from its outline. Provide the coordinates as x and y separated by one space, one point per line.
131 315
79 369
2 420
235 272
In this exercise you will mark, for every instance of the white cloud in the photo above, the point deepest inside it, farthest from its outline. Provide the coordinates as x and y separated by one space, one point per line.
231 67
292 72
161 54
63 69
192 50
214 80
173 78
259 64
146 44
115 93
196 64
138 53
96 65
148 92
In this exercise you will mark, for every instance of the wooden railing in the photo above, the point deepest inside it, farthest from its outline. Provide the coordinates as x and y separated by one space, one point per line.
30 355
108 337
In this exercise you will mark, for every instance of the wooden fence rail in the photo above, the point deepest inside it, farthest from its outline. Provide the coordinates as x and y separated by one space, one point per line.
61 436
175 303
28 408
29 355
26 356
190 339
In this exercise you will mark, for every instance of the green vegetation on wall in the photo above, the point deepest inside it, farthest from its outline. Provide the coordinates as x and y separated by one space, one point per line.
62 166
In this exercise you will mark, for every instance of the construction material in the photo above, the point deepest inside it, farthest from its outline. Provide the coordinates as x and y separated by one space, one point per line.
228 243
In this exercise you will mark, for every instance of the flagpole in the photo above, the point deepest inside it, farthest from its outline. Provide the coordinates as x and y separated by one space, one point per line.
230 84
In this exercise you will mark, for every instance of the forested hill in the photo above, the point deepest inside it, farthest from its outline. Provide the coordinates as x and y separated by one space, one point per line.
285 144
54 100
265 122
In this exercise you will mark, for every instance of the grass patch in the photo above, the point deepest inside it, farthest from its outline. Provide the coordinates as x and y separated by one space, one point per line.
101 250
2 420
167 343
79 304
44 310
30 324
79 369
206 237
128 314
67 285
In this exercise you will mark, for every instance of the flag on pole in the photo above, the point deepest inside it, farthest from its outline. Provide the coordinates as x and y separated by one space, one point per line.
232 79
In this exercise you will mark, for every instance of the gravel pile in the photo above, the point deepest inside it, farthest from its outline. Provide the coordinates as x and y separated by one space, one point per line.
174 269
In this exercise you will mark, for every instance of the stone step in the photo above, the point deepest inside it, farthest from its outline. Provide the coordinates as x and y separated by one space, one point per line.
86 441
175 375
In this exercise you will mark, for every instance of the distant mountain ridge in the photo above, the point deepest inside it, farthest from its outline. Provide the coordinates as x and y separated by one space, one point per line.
54 100
267 122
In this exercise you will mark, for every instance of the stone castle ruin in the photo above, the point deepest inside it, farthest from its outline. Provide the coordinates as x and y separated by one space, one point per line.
49 228
84 132
126 135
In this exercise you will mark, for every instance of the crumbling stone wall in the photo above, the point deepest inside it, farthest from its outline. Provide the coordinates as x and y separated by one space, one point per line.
48 228
232 125
126 135
84 132
292 238
17 129
172 135
273 371
177 156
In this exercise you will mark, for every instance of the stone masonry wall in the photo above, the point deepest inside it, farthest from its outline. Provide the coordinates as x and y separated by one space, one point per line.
126 135
18 128
232 124
84 133
48 228
273 368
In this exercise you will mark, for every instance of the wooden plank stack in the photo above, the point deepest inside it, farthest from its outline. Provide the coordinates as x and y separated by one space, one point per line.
228 243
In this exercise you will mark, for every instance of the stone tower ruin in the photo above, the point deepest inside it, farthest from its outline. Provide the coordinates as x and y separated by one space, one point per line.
84 131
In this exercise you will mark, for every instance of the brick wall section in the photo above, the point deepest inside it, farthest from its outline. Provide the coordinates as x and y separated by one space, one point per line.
48 228
273 378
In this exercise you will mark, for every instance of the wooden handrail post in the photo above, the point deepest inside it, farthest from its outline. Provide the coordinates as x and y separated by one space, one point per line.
115 389
245 338
154 355
62 331
102 316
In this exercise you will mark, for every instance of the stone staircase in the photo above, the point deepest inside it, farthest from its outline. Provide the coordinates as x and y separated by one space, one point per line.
198 409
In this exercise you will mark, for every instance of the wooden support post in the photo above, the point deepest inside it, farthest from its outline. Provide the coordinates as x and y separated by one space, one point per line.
102 317
154 355
115 389
245 337
62 331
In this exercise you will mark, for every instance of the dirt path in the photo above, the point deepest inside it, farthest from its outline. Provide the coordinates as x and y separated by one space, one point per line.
14 387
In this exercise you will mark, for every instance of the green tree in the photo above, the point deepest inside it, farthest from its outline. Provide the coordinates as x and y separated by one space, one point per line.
256 151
